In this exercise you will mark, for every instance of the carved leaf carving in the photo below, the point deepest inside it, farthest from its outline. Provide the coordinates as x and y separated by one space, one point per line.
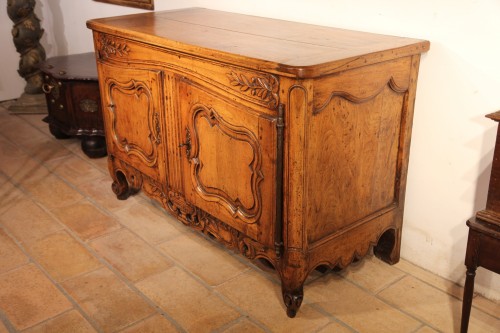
266 88
110 47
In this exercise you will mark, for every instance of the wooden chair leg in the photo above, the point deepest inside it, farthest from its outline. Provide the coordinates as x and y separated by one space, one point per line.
467 301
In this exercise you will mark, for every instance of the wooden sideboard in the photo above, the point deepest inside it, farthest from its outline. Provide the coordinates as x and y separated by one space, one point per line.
285 141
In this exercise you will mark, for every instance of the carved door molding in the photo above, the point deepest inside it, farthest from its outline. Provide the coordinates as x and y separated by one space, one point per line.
134 116
228 162
242 139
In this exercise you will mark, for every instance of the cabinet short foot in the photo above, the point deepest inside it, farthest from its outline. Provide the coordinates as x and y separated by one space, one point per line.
293 300
388 246
94 146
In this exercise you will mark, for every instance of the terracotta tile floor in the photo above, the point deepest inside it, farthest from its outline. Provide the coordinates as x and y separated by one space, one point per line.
73 258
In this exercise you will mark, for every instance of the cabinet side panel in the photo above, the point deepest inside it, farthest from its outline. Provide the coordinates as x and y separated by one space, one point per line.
354 157
294 151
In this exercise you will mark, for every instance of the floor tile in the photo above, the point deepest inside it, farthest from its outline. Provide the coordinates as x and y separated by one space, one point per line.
69 322
336 327
149 222
108 301
9 152
3 329
27 221
192 305
22 132
426 329
10 195
101 164
244 326
431 306
262 300
61 194
130 255
488 306
53 197
211 263
75 170
430 278
20 168
62 256
86 220
24 297
155 324
356 307
11 256
100 192
31 173
481 322
372 273
35 119
46 149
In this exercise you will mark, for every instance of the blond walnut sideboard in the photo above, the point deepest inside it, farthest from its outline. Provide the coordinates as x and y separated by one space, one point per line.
287 142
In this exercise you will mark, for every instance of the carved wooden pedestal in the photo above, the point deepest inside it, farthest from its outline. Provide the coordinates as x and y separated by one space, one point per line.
285 141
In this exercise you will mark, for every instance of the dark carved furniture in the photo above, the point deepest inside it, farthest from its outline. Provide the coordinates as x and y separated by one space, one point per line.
287 142
72 92
483 245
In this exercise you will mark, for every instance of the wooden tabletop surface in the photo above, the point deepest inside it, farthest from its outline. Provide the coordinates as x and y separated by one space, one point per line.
300 49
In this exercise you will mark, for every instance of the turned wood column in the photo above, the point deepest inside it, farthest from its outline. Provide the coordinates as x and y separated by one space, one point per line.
26 34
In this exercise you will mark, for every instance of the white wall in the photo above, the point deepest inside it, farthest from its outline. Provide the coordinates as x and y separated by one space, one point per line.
65 33
459 82
452 143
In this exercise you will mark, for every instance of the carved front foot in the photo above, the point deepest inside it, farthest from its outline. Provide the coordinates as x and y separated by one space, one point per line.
388 246
120 187
293 300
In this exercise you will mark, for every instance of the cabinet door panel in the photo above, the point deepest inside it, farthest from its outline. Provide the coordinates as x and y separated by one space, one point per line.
230 164
132 104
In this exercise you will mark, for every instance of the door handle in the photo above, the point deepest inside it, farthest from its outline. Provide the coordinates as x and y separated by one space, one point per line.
187 144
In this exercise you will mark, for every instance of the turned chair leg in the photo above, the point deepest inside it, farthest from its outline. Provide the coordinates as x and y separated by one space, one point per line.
467 300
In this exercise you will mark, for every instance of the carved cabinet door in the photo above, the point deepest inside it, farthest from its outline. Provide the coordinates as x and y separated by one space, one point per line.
133 115
229 160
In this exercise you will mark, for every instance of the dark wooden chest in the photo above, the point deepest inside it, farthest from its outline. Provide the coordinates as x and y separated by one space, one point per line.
73 101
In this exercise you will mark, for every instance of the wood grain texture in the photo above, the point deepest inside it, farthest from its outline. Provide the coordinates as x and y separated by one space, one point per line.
284 141
284 47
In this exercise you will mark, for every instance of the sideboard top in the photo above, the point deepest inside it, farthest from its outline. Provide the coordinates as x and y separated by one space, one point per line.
289 48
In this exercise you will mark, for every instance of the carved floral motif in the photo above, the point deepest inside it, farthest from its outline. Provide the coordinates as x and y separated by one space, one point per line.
110 47
265 87
204 222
